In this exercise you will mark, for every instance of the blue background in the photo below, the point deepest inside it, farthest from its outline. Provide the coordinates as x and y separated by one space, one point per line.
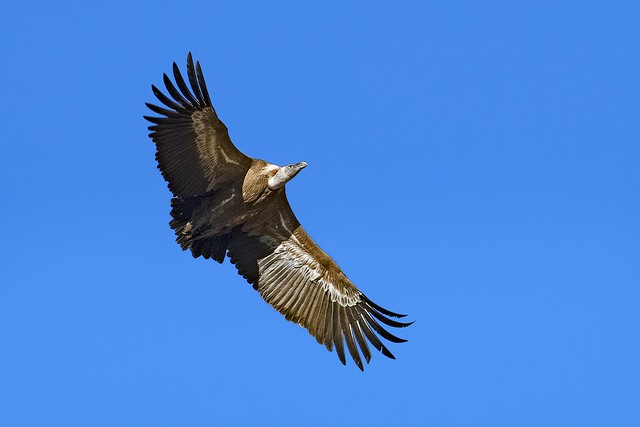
474 164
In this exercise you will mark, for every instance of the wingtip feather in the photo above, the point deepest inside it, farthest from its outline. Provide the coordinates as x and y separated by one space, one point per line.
380 309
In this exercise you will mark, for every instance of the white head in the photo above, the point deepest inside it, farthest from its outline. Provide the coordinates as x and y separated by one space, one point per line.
284 175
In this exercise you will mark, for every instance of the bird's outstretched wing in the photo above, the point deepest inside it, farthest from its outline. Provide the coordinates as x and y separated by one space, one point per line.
194 151
290 271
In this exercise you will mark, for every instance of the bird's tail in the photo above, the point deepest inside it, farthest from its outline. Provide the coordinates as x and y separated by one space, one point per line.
209 247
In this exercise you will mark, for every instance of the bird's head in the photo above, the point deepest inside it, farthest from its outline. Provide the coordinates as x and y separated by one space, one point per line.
284 175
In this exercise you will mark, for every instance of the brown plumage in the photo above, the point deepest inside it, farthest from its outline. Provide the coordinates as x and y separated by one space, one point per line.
228 204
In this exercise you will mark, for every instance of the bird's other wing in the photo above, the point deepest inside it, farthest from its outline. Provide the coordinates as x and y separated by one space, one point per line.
292 273
194 151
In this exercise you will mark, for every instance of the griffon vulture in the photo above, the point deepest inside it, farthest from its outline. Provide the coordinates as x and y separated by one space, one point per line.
228 204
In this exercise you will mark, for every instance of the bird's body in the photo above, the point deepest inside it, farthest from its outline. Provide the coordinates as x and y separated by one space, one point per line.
228 204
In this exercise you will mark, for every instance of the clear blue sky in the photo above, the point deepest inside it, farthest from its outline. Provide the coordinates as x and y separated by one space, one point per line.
473 164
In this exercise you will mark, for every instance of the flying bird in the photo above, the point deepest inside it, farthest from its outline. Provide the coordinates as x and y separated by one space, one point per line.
227 204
